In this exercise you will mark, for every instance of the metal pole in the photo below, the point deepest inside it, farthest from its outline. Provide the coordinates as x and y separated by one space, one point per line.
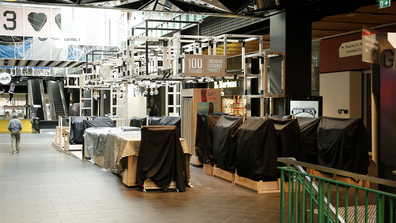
147 57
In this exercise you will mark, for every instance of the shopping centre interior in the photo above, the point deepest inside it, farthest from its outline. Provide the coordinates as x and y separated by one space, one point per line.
198 111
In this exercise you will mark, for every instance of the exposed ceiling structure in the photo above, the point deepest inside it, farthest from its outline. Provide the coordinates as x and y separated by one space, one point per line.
41 63
329 17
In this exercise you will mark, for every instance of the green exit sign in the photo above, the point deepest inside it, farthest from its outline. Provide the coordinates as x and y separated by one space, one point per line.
384 4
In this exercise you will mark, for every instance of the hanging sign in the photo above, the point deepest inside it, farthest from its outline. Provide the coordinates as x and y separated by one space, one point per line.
205 65
5 78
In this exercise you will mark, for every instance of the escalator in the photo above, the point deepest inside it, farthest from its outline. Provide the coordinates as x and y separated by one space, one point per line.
36 97
57 99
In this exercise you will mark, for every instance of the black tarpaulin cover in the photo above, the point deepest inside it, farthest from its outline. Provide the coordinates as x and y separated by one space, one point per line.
309 137
161 157
137 122
288 138
154 120
343 144
225 141
256 150
98 122
76 130
204 137
169 120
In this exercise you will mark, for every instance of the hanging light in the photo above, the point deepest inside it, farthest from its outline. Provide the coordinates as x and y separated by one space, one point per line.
145 92
222 92
156 91
151 92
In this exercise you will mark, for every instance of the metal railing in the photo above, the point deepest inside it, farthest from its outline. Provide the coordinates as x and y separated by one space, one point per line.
311 198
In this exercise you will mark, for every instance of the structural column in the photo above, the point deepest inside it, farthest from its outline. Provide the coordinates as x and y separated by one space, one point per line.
291 32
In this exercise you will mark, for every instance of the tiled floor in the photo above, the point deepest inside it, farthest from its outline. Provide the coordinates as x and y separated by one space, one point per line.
41 184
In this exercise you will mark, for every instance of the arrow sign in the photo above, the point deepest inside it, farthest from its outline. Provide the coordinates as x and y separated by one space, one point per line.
349 49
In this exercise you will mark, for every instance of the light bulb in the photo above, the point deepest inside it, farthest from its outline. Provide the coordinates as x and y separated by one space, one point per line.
222 93
156 91
145 92
151 92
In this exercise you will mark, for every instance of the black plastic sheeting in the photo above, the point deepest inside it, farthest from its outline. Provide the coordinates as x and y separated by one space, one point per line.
256 150
65 121
98 122
343 144
155 120
288 139
169 120
137 122
225 141
309 137
161 157
281 116
76 129
204 137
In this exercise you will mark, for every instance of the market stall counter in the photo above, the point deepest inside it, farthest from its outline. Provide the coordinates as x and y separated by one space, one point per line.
119 150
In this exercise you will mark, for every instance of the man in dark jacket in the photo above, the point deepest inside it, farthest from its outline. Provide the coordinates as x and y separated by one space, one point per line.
15 126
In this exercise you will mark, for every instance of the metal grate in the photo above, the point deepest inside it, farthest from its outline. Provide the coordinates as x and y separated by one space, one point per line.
371 211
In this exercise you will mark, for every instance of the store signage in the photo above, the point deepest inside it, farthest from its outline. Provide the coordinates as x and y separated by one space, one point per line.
5 78
226 84
81 26
205 65
349 49
371 46
384 3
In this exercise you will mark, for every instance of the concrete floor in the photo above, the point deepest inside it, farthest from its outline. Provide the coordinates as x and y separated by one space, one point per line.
41 184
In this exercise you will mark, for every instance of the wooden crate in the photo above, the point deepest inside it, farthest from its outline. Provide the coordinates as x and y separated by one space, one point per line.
149 185
129 174
258 186
339 178
223 174
208 169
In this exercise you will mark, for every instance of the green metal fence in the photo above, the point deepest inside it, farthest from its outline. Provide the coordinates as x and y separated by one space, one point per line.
309 198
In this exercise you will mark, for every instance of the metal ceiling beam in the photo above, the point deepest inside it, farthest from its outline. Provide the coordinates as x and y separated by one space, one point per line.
235 6
192 7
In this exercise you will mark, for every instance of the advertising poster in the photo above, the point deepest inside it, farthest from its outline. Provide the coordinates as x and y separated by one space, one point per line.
207 100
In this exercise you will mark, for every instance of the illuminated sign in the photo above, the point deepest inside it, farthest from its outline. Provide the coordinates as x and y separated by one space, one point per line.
226 84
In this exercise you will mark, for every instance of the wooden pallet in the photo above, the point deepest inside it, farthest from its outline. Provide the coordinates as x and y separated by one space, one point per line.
208 169
258 186
129 174
339 178
223 174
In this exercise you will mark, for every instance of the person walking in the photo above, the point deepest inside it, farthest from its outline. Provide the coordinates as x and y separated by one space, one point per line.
15 127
